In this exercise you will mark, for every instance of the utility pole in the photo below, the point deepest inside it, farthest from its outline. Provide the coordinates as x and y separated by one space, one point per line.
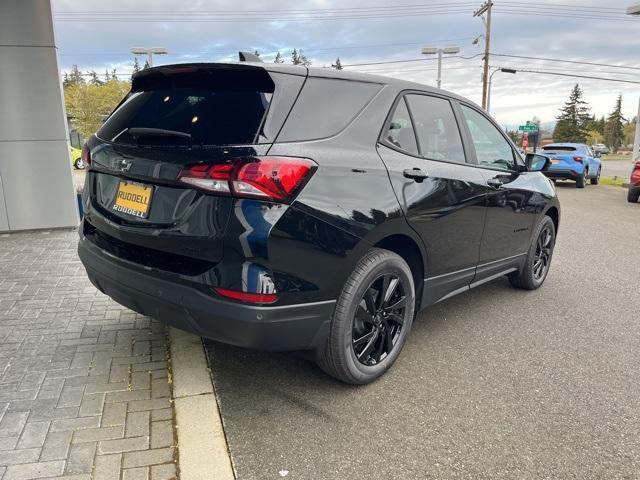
485 7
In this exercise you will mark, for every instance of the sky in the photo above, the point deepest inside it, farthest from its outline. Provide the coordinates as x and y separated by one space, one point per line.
98 36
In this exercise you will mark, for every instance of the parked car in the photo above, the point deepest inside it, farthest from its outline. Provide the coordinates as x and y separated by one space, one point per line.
573 161
291 208
600 148
76 158
634 183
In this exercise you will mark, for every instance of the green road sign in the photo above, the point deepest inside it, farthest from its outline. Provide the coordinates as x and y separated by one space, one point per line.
530 127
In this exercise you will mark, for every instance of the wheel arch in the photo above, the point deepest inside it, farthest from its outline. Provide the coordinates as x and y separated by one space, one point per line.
554 214
410 251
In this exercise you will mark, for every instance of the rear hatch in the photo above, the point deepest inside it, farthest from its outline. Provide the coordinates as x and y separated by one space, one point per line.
562 156
174 118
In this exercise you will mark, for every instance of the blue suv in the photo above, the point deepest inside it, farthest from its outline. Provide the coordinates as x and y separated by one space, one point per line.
573 161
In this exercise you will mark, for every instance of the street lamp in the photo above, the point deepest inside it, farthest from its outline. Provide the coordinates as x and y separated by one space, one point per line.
503 70
635 10
439 52
149 52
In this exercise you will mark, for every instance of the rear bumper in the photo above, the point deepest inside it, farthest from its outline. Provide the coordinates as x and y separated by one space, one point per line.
563 174
275 328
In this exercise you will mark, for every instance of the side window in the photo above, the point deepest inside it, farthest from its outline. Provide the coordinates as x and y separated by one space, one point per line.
400 132
436 127
492 149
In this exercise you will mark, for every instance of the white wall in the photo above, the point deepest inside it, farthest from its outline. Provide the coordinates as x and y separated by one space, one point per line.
36 184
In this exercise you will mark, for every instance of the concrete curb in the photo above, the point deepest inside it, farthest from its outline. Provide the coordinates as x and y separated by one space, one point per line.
202 446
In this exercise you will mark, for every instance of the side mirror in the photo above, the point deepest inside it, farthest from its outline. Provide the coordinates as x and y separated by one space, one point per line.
536 162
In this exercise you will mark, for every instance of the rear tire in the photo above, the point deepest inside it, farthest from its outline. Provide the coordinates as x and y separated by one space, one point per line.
536 266
633 195
366 334
596 179
580 182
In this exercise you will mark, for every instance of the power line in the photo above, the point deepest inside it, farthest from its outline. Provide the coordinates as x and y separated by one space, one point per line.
545 72
578 62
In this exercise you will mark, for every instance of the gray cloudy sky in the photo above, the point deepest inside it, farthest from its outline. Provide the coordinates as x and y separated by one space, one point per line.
97 35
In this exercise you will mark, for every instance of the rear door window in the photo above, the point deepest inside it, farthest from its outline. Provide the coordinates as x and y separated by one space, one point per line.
400 132
436 127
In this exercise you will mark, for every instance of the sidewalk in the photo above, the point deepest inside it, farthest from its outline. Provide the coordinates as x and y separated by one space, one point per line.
84 388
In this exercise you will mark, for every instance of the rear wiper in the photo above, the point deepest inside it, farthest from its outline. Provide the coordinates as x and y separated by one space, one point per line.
137 132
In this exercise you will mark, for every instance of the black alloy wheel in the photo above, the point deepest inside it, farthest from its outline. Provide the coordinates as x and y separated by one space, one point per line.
379 319
543 253
371 320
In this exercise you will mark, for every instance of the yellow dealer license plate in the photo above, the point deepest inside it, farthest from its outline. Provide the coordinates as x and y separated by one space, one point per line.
133 199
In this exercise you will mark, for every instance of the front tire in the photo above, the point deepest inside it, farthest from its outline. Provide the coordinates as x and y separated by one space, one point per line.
536 266
372 319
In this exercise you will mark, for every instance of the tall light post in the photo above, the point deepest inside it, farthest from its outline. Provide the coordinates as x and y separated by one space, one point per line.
439 52
149 52
503 70
635 10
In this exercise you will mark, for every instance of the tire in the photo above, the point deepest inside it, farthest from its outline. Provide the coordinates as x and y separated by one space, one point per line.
79 164
580 182
633 195
528 278
362 362
596 179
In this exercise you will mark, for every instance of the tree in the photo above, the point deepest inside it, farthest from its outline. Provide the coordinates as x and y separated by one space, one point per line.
278 58
114 75
88 104
337 65
630 132
298 58
93 78
256 53
614 131
573 118
74 77
136 65
146 65
107 75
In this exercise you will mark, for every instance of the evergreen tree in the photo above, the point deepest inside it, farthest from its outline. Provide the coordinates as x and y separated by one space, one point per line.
114 75
278 58
298 58
256 53
107 75
74 77
93 78
146 65
136 65
614 131
573 118
337 65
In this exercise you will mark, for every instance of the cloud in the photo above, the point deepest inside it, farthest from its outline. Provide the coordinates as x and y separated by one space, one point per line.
96 45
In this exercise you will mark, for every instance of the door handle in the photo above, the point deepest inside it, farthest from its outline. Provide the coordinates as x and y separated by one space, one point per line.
416 174
495 183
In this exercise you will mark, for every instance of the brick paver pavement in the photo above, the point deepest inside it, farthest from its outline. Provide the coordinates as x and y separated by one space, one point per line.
84 389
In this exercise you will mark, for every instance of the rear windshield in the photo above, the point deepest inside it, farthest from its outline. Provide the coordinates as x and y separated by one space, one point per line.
559 148
188 116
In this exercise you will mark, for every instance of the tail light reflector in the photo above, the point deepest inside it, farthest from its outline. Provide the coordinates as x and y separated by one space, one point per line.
86 155
262 298
269 177
635 174
578 159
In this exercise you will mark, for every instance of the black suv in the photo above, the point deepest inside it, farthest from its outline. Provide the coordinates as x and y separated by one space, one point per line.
285 208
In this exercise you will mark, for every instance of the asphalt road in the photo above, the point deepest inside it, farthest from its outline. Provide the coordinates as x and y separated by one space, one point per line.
495 383
619 168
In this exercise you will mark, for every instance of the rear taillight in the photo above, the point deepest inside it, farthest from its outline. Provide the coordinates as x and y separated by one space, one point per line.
271 178
578 159
635 174
262 298
86 155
